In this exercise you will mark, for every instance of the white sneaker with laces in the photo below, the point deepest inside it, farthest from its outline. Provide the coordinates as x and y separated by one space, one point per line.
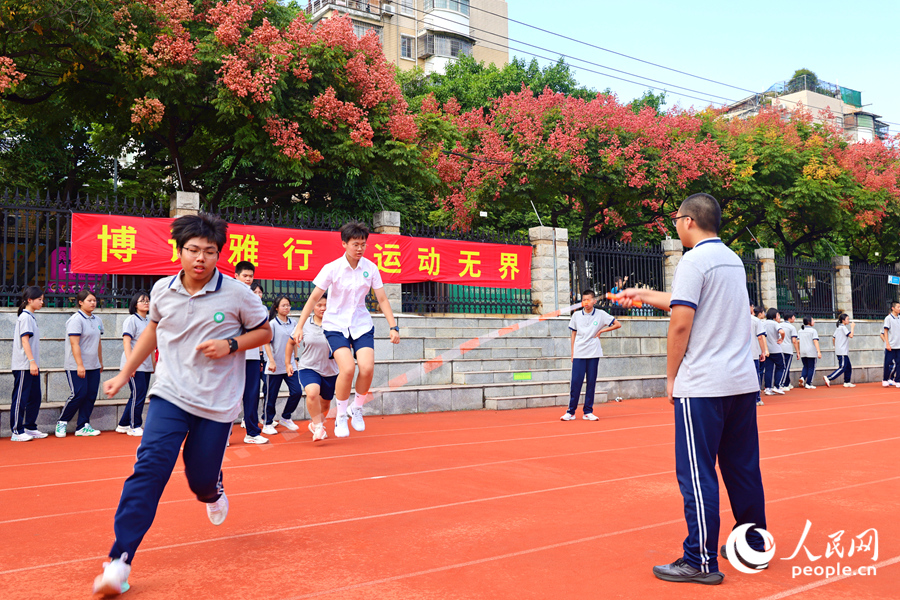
38 435
114 580
319 432
87 431
769 392
567 417
136 432
356 418
887 383
270 430
895 385
778 391
255 439
849 385
340 426
122 428
61 429
218 510
827 382
20 437
288 423
809 387
590 417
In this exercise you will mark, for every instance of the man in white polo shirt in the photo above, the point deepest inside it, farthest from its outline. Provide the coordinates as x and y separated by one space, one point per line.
712 382
586 324
198 320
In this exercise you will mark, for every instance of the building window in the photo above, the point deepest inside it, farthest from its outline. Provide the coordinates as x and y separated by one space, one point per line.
361 29
460 6
435 44
407 7
406 46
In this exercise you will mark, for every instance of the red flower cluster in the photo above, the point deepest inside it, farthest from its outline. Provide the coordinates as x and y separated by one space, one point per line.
9 76
147 111
332 112
286 135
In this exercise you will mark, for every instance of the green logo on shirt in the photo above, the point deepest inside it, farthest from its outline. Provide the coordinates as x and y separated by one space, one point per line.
365 273
219 317
595 322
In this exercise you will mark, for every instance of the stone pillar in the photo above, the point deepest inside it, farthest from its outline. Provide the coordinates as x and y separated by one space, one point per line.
843 289
673 251
184 203
767 286
550 287
388 222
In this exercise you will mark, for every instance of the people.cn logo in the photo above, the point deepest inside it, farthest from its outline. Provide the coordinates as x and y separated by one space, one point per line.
744 558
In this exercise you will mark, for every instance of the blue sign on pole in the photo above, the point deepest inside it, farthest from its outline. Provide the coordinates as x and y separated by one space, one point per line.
894 279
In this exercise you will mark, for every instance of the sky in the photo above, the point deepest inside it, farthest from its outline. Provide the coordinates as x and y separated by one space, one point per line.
749 46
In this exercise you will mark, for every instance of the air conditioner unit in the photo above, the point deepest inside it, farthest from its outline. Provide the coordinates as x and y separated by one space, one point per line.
388 10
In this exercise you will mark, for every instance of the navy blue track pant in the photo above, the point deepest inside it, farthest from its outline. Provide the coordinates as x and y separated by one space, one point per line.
133 415
788 359
891 362
582 367
773 370
26 401
204 449
707 429
251 397
844 367
295 394
83 396
809 369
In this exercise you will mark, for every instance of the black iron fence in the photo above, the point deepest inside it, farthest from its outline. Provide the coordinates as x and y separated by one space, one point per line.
805 287
872 289
433 297
754 287
597 264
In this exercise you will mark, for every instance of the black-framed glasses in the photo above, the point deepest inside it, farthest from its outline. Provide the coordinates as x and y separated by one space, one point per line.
675 219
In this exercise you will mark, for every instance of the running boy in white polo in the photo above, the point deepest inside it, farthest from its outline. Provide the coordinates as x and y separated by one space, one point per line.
891 337
712 383
347 323
197 319
586 324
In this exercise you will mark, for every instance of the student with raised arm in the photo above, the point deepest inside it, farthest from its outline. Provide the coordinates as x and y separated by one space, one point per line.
201 320
712 383
348 325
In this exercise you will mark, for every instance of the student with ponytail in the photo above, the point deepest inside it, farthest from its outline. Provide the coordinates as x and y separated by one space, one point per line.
26 362
773 369
842 335
83 364
809 352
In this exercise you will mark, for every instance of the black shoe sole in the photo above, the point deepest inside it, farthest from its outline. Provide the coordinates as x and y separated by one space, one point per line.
708 579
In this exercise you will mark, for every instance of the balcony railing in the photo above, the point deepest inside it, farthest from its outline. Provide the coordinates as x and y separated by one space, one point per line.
372 8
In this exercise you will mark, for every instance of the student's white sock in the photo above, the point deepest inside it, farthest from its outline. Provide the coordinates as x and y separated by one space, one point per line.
359 400
342 406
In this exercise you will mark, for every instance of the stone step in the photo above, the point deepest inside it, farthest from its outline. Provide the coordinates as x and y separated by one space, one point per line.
536 401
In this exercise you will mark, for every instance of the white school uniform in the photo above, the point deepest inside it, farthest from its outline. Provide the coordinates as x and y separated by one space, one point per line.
807 348
347 290
841 337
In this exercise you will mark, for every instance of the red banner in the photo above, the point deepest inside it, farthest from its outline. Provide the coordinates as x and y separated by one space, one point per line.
111 244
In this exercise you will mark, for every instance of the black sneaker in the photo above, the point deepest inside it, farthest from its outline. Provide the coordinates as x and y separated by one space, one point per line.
749 565
681 572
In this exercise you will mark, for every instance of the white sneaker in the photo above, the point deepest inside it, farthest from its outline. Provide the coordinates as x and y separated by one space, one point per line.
20 437
255 439
356 418
789 387
849 385
270 430
319 432
769 392
87 431
289 424
778 391
61 429
243 425
567 417
114 579
827 382
218 510
590 417
760 403
801 382
136 432
340 426
122 428
809 387
887 383
895 385
38 435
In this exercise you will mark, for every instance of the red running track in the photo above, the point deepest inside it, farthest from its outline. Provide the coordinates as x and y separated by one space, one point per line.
501 505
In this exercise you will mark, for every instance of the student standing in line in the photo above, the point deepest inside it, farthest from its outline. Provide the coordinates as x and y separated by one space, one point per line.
83 364
890 335
809 351
316 370
244 272
282 326
587 324
841 336
256 288
348 325
711 382
773 369
26 363
132 417
789 347
758 333
201 320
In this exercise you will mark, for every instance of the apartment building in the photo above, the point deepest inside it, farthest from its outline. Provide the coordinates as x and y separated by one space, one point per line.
427 33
